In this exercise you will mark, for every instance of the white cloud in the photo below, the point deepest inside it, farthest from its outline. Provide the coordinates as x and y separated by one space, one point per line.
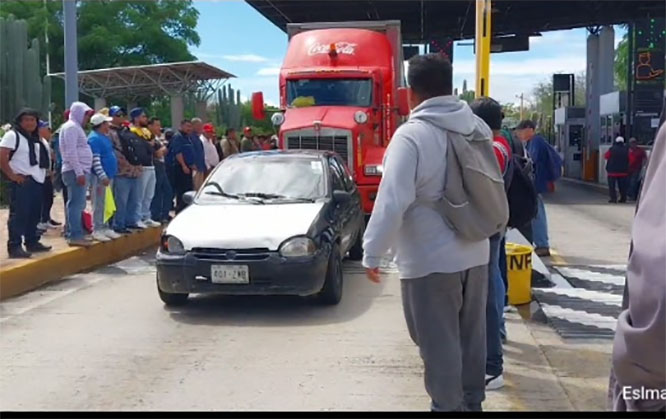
269 71
241 58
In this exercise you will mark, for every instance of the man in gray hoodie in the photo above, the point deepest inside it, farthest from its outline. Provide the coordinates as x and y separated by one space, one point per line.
444 277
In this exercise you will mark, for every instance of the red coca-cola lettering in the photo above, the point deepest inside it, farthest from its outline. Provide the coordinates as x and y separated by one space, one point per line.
346 48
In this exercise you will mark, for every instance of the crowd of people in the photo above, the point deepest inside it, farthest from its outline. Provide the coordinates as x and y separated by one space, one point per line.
127 164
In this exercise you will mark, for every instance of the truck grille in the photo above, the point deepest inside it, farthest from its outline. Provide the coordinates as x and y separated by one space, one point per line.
338 142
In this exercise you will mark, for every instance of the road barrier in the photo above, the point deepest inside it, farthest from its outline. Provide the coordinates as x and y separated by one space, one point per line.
519 271
30 274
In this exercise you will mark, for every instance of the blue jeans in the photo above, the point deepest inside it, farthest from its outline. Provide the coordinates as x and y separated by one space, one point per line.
494 310
634 184
540 226
76 203
163 199
146 192
99 203
125 192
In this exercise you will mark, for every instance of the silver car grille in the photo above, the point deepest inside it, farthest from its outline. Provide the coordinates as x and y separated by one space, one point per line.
339 141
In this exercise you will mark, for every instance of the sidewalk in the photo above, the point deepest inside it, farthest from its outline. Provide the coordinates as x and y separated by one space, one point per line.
20 275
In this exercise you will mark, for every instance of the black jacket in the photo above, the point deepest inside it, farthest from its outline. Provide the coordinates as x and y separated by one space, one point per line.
618 160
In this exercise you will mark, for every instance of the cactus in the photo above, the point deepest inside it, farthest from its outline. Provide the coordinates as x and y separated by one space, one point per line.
21 83
229 107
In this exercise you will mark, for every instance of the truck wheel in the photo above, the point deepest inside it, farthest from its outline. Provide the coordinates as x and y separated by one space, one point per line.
172 300
356 252
331 292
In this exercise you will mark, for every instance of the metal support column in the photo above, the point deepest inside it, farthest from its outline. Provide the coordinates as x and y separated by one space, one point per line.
482 42
71 57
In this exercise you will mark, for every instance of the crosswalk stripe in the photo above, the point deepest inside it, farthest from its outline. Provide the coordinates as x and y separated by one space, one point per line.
614 267
600 297
577 316
591 276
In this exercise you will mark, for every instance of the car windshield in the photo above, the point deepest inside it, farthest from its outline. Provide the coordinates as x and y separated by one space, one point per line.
329 92
266 179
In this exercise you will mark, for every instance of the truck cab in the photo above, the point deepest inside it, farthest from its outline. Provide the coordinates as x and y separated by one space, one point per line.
341 89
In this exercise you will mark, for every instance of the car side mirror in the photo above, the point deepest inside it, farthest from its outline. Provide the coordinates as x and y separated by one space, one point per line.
403 101
188 197
341 197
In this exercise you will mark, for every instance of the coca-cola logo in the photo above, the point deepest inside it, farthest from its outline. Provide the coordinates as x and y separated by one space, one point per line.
346 48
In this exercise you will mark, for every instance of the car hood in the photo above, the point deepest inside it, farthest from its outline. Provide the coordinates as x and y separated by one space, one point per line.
242 226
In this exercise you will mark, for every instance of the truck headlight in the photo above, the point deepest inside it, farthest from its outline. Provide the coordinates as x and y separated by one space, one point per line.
170 244
360 117
277 119
297 247
373 170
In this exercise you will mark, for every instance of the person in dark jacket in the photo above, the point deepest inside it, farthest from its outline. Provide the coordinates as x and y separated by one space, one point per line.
181 162
617 168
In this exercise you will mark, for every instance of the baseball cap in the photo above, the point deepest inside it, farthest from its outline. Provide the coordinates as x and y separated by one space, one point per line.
526 123
136 112
247 129
43 124
619 140
99 119
116 111
208 128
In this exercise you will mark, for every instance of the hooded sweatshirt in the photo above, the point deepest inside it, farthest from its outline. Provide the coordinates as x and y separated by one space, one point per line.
639 348
73 142
414 172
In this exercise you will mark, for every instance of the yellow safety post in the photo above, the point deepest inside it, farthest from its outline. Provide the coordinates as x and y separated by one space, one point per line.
482 43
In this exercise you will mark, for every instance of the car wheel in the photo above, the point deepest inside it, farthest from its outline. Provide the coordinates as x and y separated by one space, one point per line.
331 292
356 252
172 300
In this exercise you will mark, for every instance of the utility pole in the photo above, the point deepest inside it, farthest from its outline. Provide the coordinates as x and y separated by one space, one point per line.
522 98
71 57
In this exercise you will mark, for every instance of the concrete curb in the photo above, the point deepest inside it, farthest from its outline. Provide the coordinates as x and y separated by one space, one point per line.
30 274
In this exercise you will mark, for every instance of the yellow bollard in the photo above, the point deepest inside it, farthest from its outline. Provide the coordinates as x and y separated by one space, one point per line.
519 271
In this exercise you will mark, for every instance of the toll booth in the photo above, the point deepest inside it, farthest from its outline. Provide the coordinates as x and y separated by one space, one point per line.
570 139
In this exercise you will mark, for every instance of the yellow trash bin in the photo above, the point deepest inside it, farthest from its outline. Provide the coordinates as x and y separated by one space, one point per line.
519 271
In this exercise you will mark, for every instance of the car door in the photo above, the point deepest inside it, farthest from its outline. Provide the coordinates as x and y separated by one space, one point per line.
343 212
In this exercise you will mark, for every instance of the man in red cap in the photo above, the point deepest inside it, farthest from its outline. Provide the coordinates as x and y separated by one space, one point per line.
210 152
247 144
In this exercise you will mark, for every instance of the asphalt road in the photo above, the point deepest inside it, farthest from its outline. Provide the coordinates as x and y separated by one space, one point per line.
104 341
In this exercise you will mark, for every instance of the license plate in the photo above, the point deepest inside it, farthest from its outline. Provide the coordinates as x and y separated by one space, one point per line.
230 274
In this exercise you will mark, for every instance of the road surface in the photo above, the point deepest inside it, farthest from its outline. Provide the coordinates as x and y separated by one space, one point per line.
104 341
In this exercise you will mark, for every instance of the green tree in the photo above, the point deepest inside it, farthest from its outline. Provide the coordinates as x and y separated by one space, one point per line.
621 63
113 33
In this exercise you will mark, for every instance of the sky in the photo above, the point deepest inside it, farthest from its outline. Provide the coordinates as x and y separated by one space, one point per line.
237 39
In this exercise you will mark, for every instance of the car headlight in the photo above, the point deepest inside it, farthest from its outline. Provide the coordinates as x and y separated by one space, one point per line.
373 170
360 117
297 247
171 244
277 119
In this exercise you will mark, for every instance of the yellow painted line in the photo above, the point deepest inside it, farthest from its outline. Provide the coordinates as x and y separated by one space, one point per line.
556 258
31 274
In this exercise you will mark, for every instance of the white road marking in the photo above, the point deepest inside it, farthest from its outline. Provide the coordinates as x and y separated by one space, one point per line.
614 267
591 276
598 297
581 317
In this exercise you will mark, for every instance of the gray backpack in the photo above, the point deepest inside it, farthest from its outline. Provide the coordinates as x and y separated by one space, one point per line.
474 204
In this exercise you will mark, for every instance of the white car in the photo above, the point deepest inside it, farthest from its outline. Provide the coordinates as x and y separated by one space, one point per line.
264 223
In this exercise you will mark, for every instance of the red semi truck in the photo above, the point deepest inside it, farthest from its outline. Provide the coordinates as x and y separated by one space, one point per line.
342 89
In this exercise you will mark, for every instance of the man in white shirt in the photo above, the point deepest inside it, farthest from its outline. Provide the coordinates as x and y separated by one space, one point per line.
210 152
24 159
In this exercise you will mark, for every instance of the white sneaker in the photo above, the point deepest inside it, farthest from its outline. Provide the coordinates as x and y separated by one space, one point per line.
112 234
494 382
141 224
151 223
42 226
100 236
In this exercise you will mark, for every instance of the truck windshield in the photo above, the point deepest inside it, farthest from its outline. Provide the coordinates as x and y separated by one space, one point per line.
329 92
